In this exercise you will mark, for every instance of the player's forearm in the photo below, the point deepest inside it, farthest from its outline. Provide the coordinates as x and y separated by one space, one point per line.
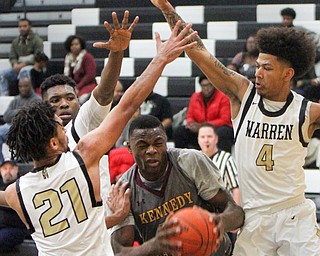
172 18
113 220
145 83
103 93
232 217
147 248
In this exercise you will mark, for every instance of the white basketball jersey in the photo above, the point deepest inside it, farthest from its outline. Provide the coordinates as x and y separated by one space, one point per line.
59 205
90 116
270 150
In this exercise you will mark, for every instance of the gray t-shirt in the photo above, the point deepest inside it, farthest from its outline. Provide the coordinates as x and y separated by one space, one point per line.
191 179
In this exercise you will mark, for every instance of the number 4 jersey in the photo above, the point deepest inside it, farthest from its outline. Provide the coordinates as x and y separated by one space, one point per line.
59 205
270 150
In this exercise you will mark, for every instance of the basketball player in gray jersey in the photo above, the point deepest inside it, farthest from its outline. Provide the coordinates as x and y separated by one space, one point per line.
164 181
272 127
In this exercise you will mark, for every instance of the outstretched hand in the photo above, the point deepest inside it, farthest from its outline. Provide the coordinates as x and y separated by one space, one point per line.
177 42
119 35
118 200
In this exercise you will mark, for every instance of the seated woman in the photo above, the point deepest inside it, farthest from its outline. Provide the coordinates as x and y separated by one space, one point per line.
246 59
80 66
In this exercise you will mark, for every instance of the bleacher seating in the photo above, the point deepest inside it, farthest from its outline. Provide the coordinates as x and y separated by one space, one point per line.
224 26
271 13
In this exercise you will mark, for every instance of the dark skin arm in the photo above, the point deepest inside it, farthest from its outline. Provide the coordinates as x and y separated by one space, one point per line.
119 41
122 241
118 202
231 216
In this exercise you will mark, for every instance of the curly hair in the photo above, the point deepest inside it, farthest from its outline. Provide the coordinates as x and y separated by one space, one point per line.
31 130
68 42
54 80
291 46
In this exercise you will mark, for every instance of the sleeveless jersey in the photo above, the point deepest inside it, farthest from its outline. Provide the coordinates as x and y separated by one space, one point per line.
59 205
270 151
191 178
89 117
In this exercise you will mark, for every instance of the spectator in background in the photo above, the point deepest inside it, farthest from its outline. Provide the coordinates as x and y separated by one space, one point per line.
307 85
209 105
159 106
80 66
37 73
21 56
118 92
26 96
12 229
288 16
208 141
246 59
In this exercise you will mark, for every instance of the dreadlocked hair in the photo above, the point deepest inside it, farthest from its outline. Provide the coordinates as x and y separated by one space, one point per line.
31 130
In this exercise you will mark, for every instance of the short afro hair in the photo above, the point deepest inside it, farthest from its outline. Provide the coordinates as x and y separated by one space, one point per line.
55 80
292 46
145 122
288 12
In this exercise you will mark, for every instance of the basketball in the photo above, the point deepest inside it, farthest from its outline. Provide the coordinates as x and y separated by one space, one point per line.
197 236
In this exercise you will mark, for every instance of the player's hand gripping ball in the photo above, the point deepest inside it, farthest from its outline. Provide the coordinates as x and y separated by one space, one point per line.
197 236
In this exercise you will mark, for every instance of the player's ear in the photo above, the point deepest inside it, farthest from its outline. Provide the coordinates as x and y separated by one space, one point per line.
53 143
129 147
289 74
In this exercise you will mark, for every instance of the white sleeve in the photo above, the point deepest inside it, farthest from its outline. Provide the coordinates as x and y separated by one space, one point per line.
90 116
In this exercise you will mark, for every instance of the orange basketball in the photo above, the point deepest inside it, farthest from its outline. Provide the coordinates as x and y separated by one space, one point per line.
197 236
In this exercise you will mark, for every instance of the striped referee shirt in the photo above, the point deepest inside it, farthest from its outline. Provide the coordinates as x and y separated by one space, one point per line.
225 163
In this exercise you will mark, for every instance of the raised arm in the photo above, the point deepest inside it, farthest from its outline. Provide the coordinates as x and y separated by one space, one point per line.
119 40
232 84
100 140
